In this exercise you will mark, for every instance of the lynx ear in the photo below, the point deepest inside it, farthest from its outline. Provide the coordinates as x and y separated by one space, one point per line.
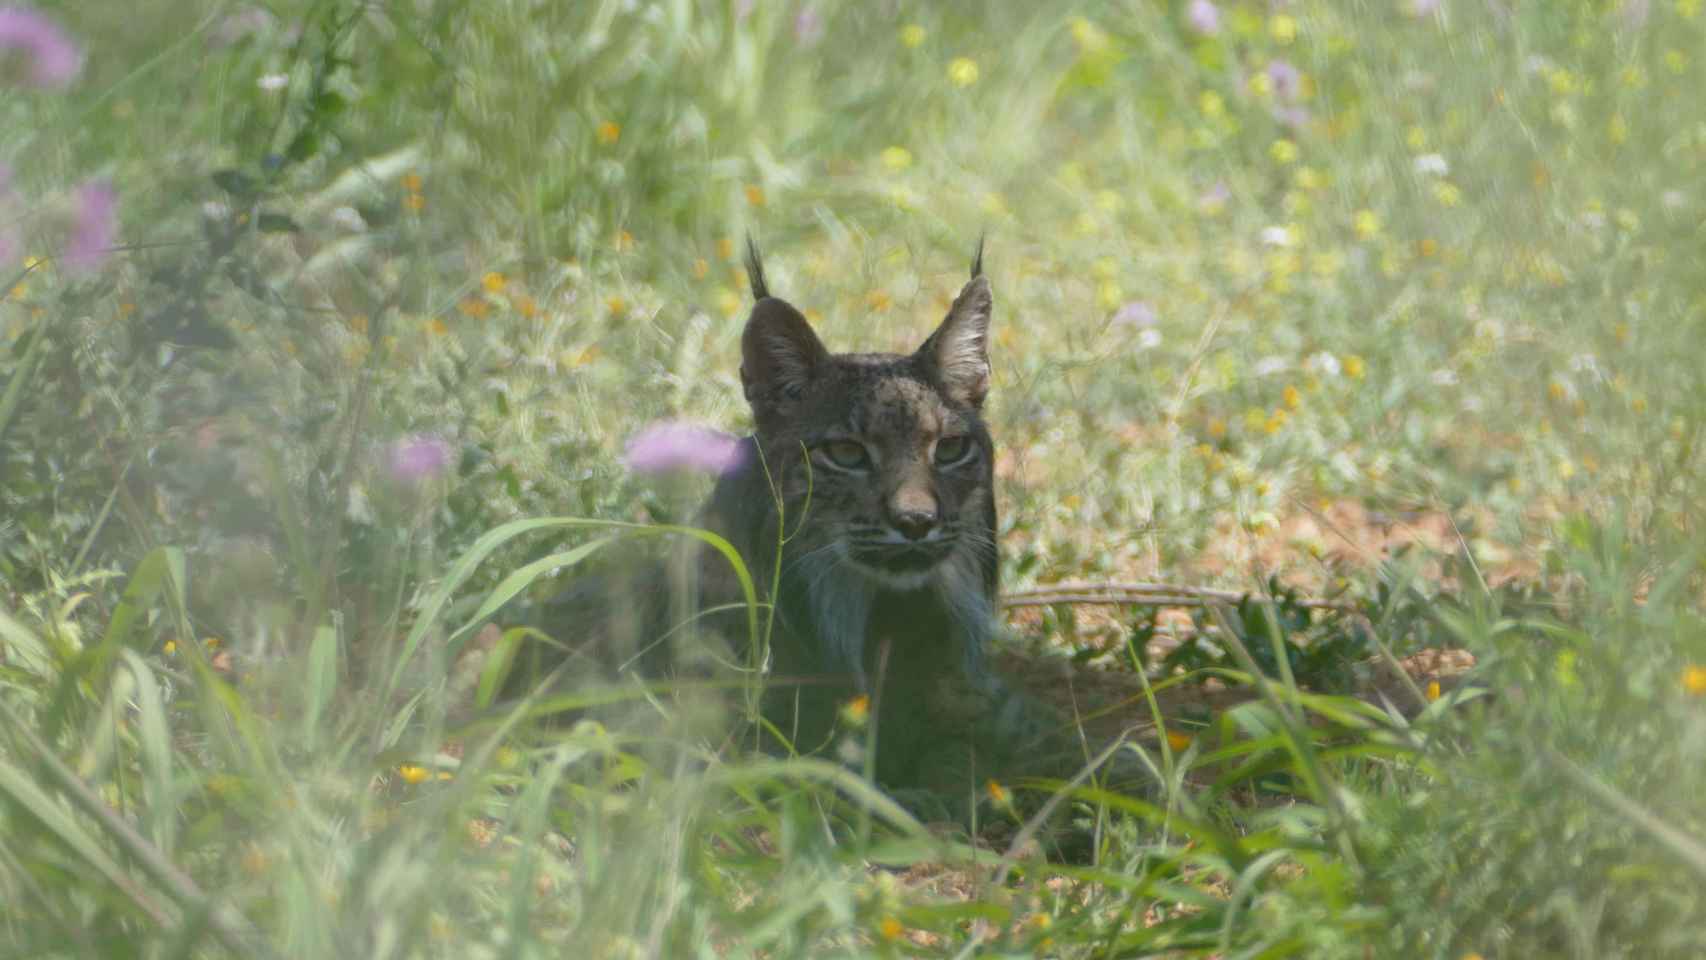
958 352
779 353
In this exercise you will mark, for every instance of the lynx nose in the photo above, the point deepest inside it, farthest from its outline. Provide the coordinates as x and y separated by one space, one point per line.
915 524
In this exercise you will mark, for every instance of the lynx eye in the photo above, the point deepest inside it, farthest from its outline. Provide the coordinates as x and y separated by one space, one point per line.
951 450
846 454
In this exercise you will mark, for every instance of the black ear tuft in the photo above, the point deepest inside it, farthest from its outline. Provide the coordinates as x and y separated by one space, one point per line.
755 270
977 258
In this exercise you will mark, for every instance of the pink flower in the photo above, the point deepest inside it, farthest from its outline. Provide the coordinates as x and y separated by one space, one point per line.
808 27
1203 16
92 233
681 445
54 59
419 457
1137 314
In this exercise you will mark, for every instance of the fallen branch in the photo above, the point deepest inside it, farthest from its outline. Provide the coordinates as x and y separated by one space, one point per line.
1140 594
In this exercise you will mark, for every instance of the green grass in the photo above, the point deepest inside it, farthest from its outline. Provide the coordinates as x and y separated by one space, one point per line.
1448 271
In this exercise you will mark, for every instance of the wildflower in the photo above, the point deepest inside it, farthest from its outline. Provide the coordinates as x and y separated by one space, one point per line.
912 35
414 203
1213 200
616 305
437 327
1430 164
417 458
525 305
755 195
1268 366
1284 79
1149 339
962 71
1178 741
1366 223
890 928
54 58
1203 16
997 793
1276 236
1212 104
473 307
493 282
728 302
897 158
1447 193
412 182
170 648
1694 679
1283 28
272 82
1291 397
681 445
856 711
1433 692
1283 151
808 27
1137 313
609 132
879 300
1688 9
413 773
1324 363
624 241
92 231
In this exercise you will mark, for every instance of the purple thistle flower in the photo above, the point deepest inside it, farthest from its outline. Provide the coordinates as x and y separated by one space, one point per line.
1203 16
808 27
54 59
92 233
1286 79
419 457
681 445
1138 314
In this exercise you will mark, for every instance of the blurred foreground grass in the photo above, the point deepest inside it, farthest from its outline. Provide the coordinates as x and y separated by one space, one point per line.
396 275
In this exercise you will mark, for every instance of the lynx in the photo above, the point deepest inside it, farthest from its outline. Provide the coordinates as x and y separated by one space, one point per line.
866 496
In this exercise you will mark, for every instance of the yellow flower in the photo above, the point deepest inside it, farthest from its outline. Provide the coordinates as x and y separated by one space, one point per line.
1291 397
624 241
1283 28
493 282
437 327
1433 690
1216 428
170 648
997 793
1275 421
1211 104
412 182
755 195
1179 742
701 268
1283 151
890 928
879 300
616 304
609 132
413 773
1688 9
912 35
725 248
962 71
1367 224
473 307
1617 129
856 711
1307 178
728 302
1694 679
525 305
897 158
1447 193
414 203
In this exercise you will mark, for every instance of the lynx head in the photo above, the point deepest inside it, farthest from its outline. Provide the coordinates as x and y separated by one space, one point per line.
883 462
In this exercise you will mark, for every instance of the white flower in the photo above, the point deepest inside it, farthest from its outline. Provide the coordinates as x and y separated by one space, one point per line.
1324 363
272 82
347 218
1148 339
1276 236
1431 164
1268 366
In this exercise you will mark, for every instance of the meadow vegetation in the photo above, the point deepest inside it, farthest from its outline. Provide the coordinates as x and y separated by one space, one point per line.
324 325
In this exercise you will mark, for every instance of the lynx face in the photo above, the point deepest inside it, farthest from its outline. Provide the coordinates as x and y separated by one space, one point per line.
883 461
